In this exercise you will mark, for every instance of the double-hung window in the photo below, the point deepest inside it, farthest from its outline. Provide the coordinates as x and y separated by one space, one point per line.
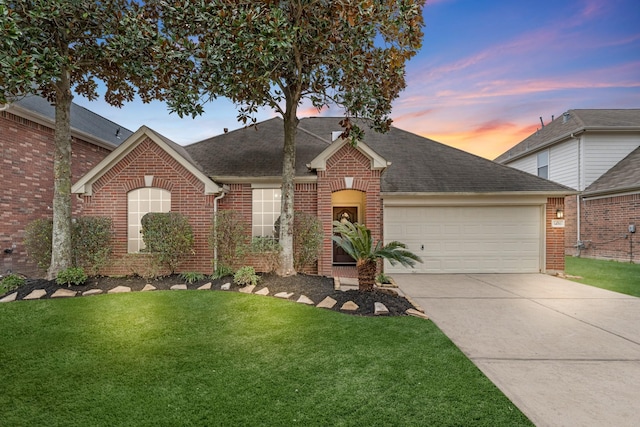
265 211
543 164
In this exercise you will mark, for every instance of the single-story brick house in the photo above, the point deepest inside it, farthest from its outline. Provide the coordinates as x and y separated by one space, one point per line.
459 212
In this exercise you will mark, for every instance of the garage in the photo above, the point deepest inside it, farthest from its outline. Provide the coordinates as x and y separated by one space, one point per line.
468 239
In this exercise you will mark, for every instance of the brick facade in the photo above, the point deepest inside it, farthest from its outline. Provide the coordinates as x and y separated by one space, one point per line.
187 197
604 228
555 236
26 175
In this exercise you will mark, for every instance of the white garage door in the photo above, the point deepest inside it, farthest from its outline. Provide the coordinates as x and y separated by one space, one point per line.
482 239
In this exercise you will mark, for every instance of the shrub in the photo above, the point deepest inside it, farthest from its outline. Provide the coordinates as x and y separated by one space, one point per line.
37 241
142 265
383 278
168 237
71 276
228 237
268 250
222 271
307 239
91 242
246 276
10 282
191 277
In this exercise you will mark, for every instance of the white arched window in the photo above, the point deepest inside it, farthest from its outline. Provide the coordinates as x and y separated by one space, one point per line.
141 202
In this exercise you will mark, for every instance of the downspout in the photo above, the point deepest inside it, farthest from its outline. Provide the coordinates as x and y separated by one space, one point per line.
215 219
580 189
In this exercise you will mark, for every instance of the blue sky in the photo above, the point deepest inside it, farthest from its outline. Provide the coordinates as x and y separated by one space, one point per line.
487 71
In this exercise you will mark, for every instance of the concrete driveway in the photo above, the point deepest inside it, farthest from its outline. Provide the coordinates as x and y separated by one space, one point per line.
566 354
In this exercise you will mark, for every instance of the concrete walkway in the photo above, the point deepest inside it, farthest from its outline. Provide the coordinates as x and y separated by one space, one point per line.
566 354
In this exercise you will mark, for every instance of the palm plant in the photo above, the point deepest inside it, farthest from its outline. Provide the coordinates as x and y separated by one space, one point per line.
356 241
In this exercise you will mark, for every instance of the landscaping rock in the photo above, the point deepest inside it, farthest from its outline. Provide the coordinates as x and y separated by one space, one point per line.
305 300
119 290
247 289
91 292
64 293
205 287
416 313
148 287
36 294
226 286
328 302
10 297
182 287
284 295
380 309
263 291
349 306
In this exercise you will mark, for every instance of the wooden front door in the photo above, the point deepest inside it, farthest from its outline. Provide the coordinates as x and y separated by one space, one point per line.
340 257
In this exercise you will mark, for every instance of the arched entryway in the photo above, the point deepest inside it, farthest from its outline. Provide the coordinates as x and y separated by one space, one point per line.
347 205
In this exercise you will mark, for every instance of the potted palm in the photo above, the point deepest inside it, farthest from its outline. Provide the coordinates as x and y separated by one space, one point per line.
356 240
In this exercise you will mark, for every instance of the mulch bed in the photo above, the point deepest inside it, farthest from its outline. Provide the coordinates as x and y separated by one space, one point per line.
314 287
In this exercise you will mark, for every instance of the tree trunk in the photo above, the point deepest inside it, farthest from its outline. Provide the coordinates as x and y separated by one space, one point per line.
61 238
366 274
286 267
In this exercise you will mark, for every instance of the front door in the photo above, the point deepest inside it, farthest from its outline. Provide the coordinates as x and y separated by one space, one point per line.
340 257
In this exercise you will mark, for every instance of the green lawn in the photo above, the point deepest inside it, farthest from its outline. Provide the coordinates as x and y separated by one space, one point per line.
622 277
196 358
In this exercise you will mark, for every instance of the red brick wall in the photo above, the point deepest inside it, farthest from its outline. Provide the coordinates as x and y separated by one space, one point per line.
26 174
187 197
604 228
347 161
571 228
555 237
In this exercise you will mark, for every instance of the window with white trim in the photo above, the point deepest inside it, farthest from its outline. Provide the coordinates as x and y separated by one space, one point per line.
139 203
265 211
543 164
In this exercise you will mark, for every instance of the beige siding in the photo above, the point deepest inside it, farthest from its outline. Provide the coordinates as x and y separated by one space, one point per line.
603 151
563 163
527 164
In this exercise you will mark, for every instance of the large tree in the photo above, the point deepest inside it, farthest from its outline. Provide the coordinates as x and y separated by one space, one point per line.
53 47
268 53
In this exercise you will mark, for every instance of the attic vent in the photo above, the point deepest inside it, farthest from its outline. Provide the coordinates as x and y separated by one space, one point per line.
335 135
565 117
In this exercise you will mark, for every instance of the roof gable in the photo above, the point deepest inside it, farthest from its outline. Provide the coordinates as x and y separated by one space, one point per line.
571 123
320 162
84 185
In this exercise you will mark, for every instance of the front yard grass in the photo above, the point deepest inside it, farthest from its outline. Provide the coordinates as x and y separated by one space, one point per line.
623 277
194 358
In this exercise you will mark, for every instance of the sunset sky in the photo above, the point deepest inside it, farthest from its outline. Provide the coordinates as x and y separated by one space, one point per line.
487 71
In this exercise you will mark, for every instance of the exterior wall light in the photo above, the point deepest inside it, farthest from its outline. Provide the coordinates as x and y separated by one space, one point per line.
559 214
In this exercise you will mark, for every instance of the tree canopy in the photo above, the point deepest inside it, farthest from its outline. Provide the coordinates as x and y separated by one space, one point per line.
268 53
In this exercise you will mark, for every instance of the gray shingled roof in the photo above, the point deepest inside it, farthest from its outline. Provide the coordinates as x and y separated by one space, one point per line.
254 151
176 147
82 120
418 164
624 176
576 121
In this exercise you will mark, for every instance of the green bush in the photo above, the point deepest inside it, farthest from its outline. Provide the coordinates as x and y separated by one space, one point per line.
383 278
191 276
246 276
222 271
10 282
307 239
71 276
91 242
168 237
229 237
37 241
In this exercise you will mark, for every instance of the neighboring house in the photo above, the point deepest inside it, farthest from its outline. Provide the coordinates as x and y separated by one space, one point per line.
26 172
596 153
459 212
